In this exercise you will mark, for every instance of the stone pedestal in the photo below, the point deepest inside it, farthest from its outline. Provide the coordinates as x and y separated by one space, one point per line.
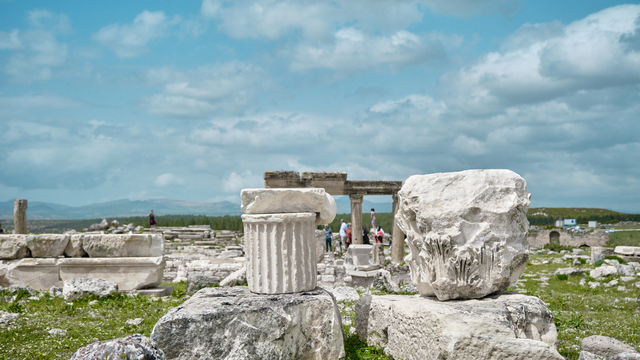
356 218
234 323
360 254
509 326
20 216
280 252
362 278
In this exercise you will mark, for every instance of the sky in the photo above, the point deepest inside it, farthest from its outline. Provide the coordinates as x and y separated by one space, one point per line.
194 100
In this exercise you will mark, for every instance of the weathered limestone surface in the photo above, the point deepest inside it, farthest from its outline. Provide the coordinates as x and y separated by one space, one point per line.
275 201
233 323
466 231
81 287
39 274
132 347
627 250
47 245
20 216
280 252
134 245
74 247
360 253
130 273
509 326
13 247
321 245
605 346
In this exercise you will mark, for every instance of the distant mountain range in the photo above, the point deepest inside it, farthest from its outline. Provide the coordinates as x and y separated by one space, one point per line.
123 208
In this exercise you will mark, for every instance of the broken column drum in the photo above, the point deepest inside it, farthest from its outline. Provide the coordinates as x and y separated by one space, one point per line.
466 231
280 252
20 216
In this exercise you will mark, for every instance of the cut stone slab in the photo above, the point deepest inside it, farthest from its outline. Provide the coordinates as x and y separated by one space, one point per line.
508 326
362 278
39 274
133 347
123 245
130 273
13 246
47 245
234 323
237 277
466 231
74 289
197 282
627 250
159 291
74 247
605 346
276 201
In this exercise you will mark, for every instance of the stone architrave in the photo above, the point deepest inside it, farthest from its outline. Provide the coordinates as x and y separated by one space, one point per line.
20 216
280 252
508 326
277 201
234 323
13 246
356 218
47 245
39 274
466 231
123 245
130 273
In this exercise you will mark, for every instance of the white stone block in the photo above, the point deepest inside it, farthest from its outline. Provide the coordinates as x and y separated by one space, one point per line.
603 271
130 273
276 201
627 250
47 245
13 246
360 253
509 326
280 252
466 231
39 274
123 245
74 247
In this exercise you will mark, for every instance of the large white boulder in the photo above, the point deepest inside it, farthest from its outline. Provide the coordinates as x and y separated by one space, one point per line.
234 323
123 245
276 201
466 231
47 245
509 326
603 271
13 246
78 288
605 346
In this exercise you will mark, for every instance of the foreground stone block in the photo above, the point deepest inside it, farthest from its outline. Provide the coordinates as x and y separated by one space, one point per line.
233 323
129 273
466 231
132 347
74 289
47 245
123 245
276 201
39 274
510 326
280 252
13 247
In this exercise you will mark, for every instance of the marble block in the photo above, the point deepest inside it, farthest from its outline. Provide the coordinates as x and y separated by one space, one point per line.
466 231
123 245
130 273
276 201
47 245
280 252
508 326
360 253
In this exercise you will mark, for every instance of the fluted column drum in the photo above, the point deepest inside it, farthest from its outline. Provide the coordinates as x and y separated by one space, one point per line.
280 252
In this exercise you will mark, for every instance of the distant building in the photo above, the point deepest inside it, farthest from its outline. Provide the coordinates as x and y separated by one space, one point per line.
593 224
569 222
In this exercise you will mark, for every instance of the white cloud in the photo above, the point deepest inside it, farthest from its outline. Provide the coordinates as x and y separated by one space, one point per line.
43 19
130 40
586 54
236 182
197 93
352 49
37 101
472 7
168 179
38 55
10 40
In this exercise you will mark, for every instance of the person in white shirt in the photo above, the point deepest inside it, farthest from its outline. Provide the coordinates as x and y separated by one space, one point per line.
343 233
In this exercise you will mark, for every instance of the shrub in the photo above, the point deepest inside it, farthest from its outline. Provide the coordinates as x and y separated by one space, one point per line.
557 247
562 276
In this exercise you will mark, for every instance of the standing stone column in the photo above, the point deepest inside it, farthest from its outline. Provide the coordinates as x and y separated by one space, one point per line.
20 216
397 240
356 218
280 252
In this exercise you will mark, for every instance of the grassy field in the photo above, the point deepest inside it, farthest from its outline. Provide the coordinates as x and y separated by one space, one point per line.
624 238
578 310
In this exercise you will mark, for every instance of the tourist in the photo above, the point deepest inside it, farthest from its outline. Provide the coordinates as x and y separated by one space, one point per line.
379 234
373 218
365 236
327 235
152 221
343 233
348 235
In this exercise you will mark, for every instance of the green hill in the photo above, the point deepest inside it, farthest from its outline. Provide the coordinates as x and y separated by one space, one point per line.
547 216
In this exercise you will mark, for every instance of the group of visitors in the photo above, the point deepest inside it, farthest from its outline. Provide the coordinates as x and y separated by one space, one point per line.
346 236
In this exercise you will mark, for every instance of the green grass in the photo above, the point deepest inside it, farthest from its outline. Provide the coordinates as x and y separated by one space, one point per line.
28 338
624 238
